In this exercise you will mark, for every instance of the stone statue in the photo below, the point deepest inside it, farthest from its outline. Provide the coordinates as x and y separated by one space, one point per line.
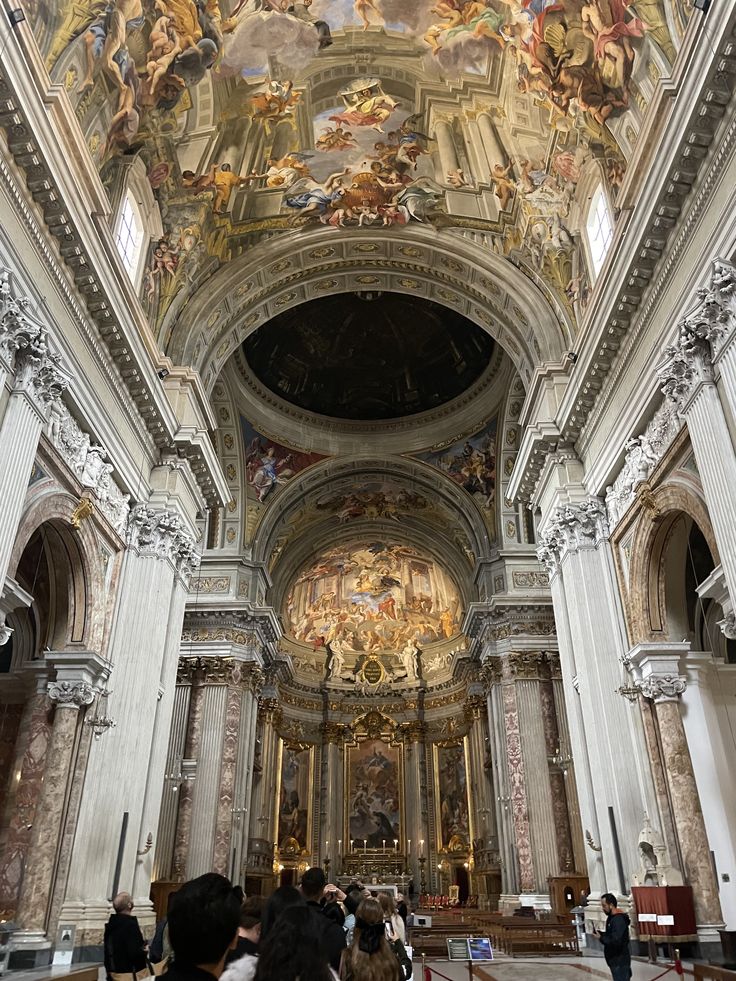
410 660
337 661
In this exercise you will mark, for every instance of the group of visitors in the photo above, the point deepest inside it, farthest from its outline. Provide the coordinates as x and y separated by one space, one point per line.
315 932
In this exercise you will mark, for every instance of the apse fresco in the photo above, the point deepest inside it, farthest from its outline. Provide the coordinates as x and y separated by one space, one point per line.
293 818
373 598
454 814
269 465
374 794
471 463
260 116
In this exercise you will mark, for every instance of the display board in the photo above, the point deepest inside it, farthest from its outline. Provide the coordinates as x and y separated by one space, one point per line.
469 949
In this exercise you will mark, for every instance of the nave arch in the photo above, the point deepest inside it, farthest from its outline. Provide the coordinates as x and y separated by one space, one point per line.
443 266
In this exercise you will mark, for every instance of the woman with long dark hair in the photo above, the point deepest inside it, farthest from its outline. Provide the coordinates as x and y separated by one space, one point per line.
292 951
370 958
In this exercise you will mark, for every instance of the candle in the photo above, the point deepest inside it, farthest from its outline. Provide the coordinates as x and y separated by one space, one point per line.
339 846
383 844
408 847
327 847
396 844
365 845
421 848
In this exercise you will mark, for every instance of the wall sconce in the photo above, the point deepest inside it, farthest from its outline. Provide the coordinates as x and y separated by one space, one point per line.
100 721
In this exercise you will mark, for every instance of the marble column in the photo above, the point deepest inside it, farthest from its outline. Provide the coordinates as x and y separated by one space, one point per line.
23 791
517 779
504 817
416 829
188 767
143 654
446 147
657 666
557 770
38 381
246 758
68 696
332 830
492 145
616 784
529 669
221 859
480 777
151 810
566 770
265 779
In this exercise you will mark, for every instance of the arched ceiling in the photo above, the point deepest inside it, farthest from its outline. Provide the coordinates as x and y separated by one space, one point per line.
259 119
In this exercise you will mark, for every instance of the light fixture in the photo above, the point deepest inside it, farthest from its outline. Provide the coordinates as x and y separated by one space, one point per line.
100 721
629 692
561 762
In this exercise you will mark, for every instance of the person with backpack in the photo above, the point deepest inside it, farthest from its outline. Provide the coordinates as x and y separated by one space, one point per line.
329 932
615 938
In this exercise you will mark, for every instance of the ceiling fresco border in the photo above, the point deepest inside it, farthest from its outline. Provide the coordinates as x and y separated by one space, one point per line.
463 276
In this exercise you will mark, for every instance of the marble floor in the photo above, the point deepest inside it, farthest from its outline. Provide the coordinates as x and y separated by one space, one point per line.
539 969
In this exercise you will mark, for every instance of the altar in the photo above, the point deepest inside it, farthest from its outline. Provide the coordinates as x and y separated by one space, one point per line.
377 868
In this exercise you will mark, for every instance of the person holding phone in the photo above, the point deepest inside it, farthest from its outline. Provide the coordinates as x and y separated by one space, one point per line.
615 938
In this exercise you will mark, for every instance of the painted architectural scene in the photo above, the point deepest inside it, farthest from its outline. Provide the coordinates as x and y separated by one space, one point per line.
294 802
370 598
452 799
374 795
245 121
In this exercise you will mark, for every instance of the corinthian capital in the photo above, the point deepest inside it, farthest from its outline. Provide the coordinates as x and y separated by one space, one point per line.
160 533
714 319
685 367
574 526
663 688
72 694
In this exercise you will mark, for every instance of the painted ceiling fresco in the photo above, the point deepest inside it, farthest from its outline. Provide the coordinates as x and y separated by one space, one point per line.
380 356
260 116
471 463
372 598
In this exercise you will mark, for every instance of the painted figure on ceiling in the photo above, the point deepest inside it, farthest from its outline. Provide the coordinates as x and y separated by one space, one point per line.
366 104
363 8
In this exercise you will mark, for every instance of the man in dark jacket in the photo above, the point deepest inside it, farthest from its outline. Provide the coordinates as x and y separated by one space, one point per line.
331 934
615 938
203 927
125 948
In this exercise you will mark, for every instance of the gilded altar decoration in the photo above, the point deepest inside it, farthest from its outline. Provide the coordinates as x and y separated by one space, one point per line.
374 783
453 818
294 798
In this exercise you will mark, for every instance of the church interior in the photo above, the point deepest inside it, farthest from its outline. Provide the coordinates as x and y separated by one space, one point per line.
459 624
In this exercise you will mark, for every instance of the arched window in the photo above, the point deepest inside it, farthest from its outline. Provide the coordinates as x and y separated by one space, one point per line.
129 236
599 227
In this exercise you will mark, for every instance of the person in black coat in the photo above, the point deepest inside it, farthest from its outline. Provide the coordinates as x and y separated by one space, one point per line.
125 948
331 935
615 938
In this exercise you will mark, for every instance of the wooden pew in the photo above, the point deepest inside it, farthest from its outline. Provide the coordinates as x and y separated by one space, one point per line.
710 972
535 937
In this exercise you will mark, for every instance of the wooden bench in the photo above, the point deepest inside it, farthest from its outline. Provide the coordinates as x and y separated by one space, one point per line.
710 972
77 972
432 941
546 939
